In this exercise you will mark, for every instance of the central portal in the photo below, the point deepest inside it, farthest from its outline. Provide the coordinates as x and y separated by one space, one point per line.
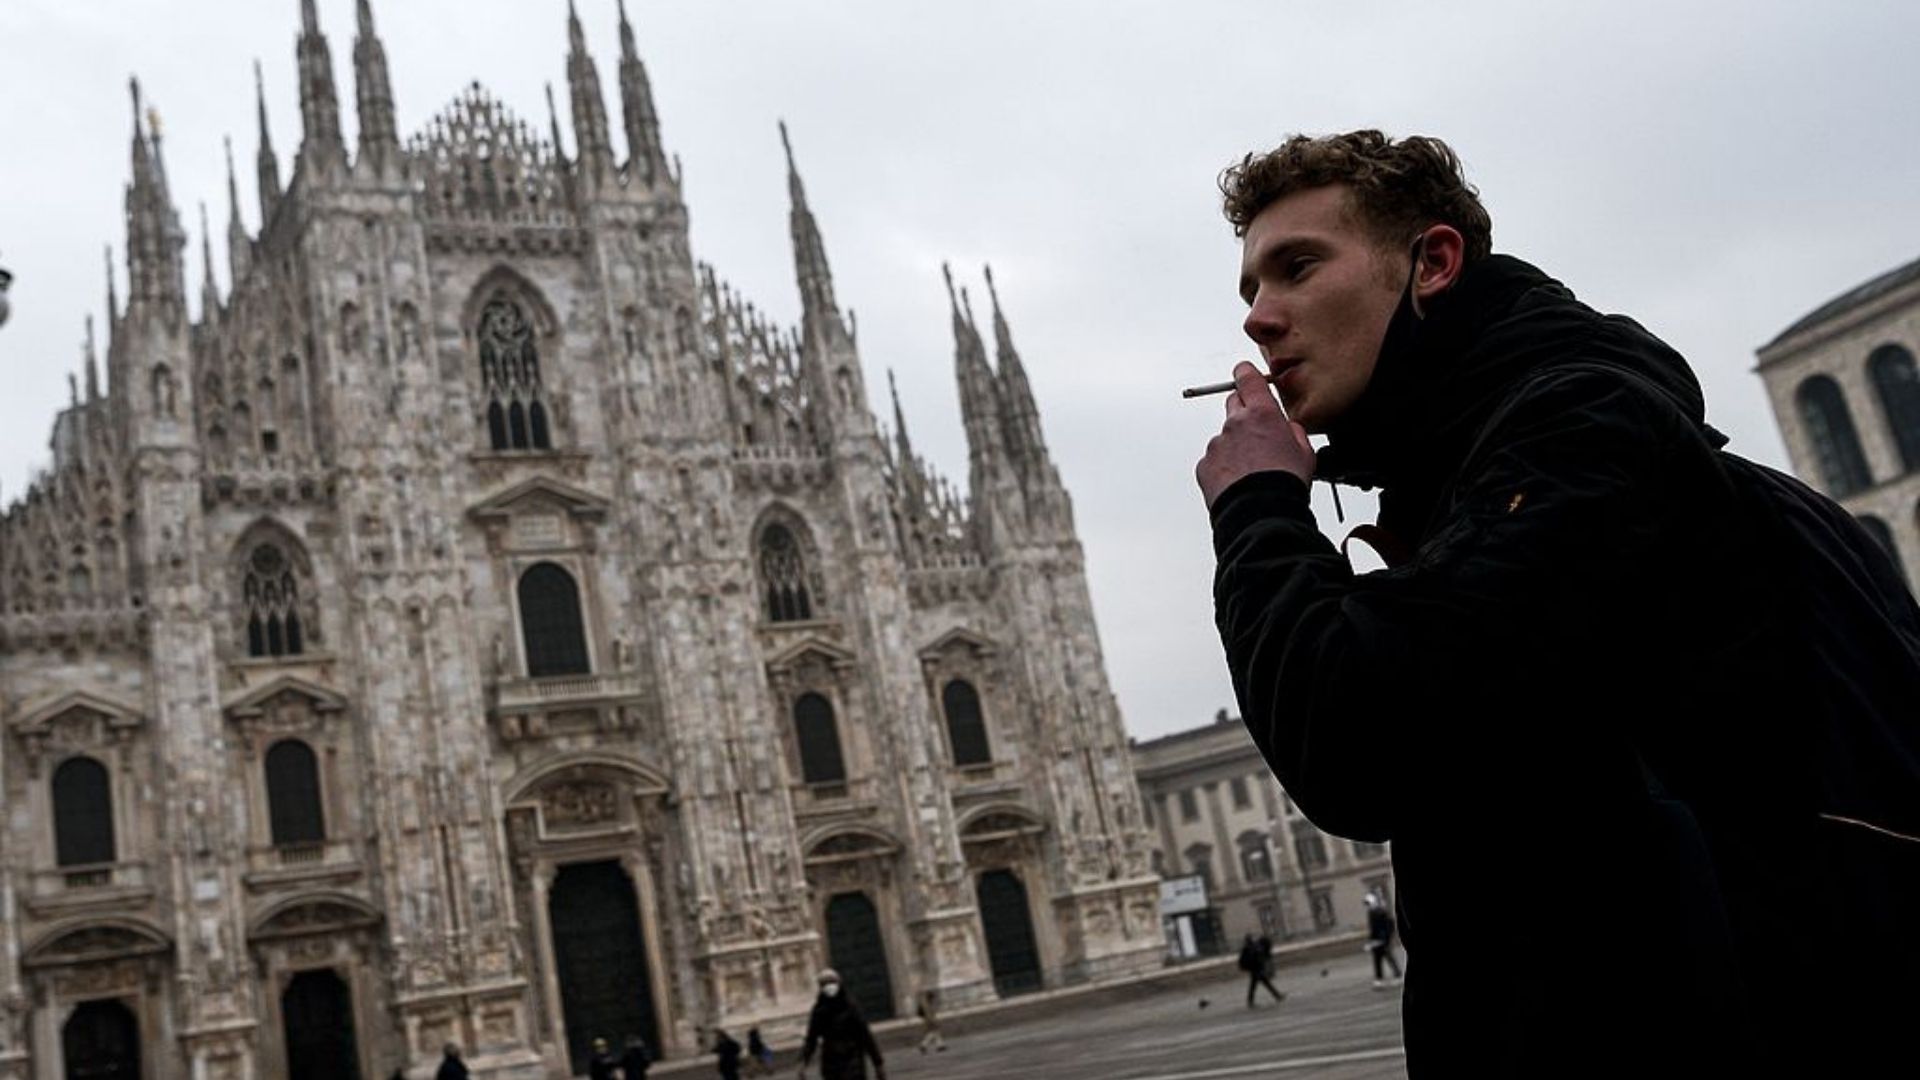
858 952
606 990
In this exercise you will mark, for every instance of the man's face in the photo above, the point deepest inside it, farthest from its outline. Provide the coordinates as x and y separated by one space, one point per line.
1320 290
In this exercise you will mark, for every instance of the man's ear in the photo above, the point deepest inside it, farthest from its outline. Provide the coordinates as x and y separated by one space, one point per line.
1443 255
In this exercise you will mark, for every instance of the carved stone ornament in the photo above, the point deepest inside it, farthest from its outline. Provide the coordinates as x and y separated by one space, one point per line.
579 804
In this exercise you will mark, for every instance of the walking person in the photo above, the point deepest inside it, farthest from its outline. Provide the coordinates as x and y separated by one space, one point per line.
1255 965
637 1059
836 1029
759 1054
601 1065
929 1012
451 1067
1380 938
726 1053
1680 681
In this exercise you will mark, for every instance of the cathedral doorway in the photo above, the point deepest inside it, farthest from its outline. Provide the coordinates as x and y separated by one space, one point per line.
101 1040
317 1011
606 991
1008 923
857 951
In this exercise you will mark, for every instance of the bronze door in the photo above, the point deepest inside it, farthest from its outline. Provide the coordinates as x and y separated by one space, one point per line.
101 1041
858 952
600 959
1008 923
316 1011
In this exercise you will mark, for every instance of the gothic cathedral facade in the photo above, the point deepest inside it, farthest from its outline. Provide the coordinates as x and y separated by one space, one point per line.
479 625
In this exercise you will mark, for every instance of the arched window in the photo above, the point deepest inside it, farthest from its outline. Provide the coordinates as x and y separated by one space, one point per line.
510 378
272 598
1835 444
784 570
293 794
1898 384
819 739
550 622
82 813
1255 863
1200 861
965 728
1309 847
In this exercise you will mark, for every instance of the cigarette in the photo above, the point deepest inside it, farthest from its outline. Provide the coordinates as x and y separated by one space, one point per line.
1216 388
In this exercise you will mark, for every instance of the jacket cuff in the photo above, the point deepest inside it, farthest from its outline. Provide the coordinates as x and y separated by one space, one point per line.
1272 493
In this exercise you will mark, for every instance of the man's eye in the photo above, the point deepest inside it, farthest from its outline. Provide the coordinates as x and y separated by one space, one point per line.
1298 267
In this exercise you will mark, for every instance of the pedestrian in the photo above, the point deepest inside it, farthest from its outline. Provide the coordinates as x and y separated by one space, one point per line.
726 1052
1255 965
1677 684
637 1059
601 1065
837 1030
1266 953
759 1053
1380 938
451 1067
929 1012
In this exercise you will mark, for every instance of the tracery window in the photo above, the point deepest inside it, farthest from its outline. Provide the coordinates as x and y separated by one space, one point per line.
1836 446
1898 384
966 730
294 809
82 813
271 595
510 378
550 622
819 740
784 570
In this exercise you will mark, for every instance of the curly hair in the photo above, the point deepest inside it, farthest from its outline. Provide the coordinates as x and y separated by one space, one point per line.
1397 188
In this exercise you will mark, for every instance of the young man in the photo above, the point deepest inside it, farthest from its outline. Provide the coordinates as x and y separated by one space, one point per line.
1670 691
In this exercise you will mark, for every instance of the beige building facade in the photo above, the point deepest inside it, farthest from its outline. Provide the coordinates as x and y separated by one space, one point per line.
1215 810
478 625
1845 392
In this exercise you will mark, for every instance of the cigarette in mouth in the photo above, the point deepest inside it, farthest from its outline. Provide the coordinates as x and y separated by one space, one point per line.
1216 388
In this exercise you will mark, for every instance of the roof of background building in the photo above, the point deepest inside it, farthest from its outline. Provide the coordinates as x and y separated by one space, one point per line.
1852 298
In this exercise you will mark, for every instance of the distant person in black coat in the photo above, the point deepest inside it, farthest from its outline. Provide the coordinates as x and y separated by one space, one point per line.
726 1052
1380 938
637 1060
451 1067
1254 963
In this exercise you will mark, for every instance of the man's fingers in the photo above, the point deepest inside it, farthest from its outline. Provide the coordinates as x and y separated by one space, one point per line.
1250 386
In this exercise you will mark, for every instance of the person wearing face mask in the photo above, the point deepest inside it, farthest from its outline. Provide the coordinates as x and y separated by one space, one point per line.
838 1031
1671 688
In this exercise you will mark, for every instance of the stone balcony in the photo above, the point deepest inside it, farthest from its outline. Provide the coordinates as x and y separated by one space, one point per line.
536 708
118 884
303 863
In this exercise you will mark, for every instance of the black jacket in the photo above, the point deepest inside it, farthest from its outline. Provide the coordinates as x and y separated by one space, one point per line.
840 1033
1615 711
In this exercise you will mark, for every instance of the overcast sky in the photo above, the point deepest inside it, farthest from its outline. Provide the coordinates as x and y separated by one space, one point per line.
1714 169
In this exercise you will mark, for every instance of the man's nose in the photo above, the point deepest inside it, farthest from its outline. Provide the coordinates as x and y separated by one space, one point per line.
1265 323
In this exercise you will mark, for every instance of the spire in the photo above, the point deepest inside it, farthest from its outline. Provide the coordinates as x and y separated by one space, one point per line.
1022 415
818 310
154 240
646 160
979 398
93 365
239 245
266 166
553 119
113 299
321 146
379 139
209 291
593 144
903 444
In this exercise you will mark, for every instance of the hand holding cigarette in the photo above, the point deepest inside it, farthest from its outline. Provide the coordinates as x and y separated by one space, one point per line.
1256 437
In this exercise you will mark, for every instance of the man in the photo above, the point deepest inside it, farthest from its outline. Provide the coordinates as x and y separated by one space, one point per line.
601 1065
1258 973
637 1059
840 1033
1670 690
1380 940
451 1067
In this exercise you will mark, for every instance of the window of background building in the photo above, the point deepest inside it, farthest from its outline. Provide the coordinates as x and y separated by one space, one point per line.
1189 806
1364 850
1200 861
1309 847
1241 797
1146 811
1255 863
1269 920
1322 901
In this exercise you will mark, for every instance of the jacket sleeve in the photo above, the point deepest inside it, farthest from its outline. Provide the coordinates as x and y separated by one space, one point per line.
1366 691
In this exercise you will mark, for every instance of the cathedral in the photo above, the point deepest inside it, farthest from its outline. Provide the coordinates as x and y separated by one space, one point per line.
479 625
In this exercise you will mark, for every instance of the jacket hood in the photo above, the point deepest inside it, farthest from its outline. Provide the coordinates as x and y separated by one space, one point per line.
1440 378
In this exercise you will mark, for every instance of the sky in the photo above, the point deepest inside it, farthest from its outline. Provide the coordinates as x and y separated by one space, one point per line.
1715 170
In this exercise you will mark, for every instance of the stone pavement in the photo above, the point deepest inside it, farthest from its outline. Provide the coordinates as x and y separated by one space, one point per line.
1335 1027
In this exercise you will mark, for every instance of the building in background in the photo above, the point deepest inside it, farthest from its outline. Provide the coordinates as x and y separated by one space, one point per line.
1214 810
477 624
1846 394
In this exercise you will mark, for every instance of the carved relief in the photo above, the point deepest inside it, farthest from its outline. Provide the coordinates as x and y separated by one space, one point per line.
579 805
